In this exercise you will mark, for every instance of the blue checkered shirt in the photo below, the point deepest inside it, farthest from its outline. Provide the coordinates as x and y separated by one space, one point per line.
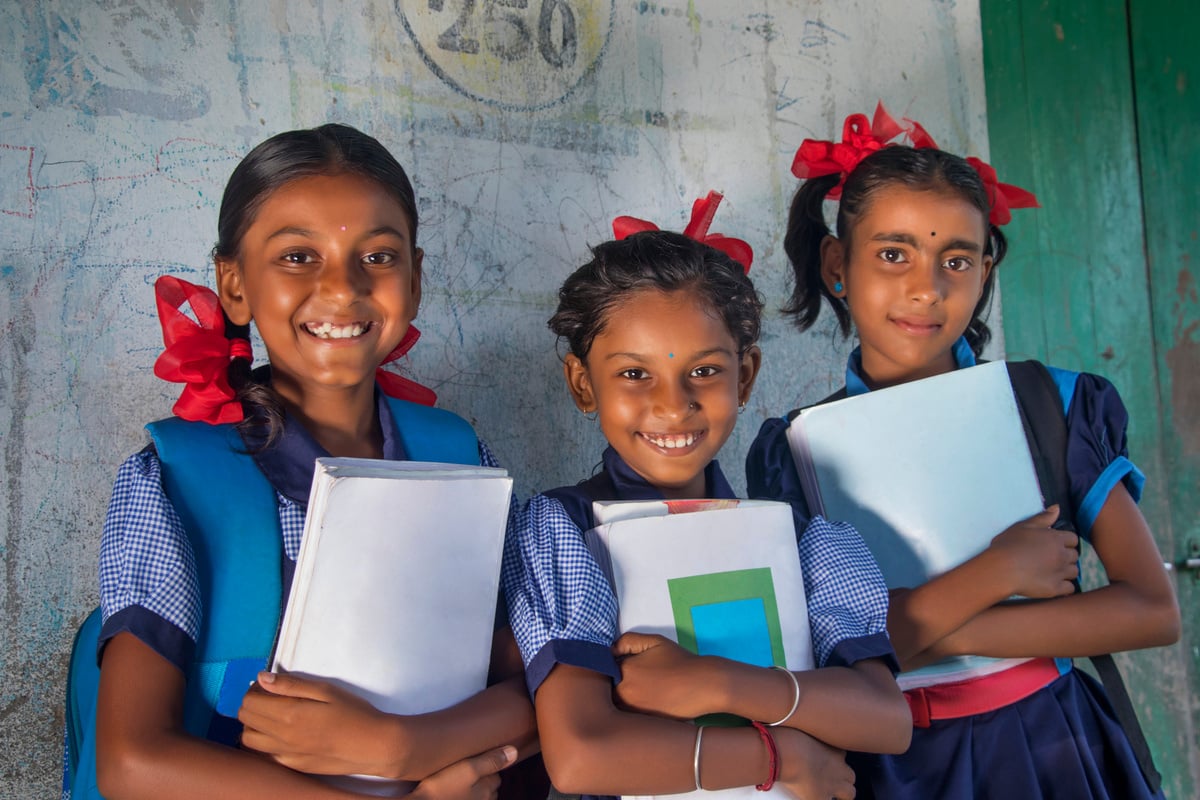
563 611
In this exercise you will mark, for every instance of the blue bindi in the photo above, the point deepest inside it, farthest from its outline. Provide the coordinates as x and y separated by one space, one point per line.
670 355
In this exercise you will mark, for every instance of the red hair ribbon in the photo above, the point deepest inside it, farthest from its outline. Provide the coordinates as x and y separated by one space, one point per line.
395 385
703 211
197 353
817 158
1002 196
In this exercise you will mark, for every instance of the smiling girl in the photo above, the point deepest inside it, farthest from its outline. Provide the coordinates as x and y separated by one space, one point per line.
661 330
912 266
317 247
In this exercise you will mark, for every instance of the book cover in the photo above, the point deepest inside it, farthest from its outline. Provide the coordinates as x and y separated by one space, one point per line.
395 589
929 472
720 577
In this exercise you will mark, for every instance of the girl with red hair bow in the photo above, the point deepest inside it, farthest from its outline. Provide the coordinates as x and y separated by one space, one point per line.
911 267
317 247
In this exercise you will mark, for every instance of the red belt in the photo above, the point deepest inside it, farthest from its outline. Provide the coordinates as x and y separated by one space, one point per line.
977 695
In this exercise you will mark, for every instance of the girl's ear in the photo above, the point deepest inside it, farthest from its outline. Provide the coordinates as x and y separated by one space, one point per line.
748 372
987 262
230 290
578 383
833 266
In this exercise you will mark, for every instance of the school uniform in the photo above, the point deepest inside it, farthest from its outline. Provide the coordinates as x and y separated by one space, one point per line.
1036 728
148 575
563 610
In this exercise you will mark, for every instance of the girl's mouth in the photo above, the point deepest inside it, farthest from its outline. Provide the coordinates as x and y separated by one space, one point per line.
673 441
328 330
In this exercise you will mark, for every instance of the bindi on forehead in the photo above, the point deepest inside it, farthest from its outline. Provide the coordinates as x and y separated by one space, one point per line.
343 227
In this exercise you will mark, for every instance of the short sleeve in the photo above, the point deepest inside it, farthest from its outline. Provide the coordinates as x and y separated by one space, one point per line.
561 607
1097 445
847 597
771 472
148 584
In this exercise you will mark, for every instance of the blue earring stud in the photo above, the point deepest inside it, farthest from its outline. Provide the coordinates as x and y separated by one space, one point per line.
837 287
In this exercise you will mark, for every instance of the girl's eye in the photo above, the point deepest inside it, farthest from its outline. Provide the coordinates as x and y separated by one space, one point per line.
705 372
632 374
297 257
893 255
378 259
957 264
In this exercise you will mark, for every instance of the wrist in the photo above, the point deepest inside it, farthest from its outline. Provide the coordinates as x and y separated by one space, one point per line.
395 748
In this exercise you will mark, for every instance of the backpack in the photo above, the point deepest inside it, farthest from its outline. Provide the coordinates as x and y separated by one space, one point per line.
1041 411
239 568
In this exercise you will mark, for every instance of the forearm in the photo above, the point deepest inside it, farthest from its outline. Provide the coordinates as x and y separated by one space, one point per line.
1066 627
851 708
920 617
423 744
592 747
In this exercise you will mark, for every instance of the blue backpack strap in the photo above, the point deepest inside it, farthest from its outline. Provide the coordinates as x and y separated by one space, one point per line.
83 685
231 516
434 434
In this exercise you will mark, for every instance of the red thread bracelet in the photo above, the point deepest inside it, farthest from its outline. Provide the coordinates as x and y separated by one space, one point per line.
772 757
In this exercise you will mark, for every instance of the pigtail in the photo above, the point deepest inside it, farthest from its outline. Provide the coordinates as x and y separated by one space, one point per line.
806 230
262 423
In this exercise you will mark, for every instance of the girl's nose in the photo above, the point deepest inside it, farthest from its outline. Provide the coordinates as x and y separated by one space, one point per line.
925 284
342 280
674 401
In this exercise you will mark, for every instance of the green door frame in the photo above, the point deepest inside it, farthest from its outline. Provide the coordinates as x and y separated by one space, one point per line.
1093 105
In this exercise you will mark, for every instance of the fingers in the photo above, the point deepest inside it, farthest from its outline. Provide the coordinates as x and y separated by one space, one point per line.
493 761
294 686
633 643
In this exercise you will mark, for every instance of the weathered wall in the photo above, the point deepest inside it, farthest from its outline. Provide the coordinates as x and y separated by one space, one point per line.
120 121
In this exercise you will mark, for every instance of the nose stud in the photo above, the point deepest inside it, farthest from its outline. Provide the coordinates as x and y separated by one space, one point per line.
692 406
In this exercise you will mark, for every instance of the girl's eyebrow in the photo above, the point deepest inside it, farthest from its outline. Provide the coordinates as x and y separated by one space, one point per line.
292 230
712 351
911 241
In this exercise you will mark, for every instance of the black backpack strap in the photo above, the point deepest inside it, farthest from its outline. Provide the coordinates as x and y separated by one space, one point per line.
840 394
1046 429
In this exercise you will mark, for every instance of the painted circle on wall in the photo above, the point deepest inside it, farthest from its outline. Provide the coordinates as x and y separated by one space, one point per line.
514 54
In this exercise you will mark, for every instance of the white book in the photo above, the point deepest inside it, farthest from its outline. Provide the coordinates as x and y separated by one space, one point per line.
723 579
394 594
929 472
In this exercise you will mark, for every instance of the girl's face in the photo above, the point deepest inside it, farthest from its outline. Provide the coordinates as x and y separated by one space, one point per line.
912 274
666 380
330 275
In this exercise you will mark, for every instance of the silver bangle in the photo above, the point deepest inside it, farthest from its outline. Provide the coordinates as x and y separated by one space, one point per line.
696 758
795 697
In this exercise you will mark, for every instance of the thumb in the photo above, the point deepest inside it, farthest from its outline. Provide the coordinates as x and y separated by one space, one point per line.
632 643
293 686
493 761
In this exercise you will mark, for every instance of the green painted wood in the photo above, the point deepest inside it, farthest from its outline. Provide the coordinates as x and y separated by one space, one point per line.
1064 120
1166 69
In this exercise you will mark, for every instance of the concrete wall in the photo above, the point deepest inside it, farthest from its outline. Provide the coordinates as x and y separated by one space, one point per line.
120 121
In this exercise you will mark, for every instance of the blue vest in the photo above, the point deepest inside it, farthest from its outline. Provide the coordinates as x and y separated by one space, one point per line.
230 513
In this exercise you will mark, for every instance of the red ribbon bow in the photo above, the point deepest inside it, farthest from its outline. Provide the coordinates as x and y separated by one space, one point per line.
197 355
703 211
1002 196
817 158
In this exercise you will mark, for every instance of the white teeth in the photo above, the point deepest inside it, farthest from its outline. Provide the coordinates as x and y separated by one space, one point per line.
673 442
327 330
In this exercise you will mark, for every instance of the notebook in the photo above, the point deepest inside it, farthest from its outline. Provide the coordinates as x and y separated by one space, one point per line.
720 577
929 472
394 594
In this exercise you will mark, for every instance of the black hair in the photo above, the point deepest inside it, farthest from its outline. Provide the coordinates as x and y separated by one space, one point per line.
661 261
921 169
330 149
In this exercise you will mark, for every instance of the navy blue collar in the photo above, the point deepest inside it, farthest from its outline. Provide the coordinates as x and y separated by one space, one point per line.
632 486
288 463
964 356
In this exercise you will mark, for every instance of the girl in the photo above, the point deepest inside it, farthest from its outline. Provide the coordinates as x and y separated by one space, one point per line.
912 267
662 329
317 245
